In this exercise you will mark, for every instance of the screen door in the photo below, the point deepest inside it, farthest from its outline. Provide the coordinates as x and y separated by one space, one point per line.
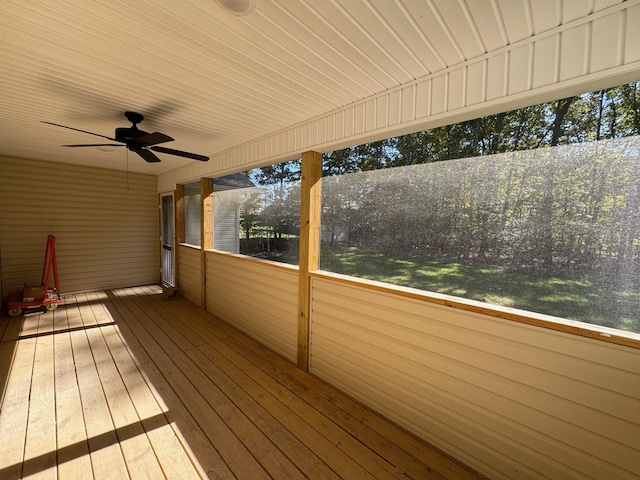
167 240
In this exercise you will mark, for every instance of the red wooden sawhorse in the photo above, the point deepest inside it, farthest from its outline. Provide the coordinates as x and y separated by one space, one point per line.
50 296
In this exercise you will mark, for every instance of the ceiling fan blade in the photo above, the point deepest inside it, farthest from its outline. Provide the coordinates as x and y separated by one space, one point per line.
97 145
180 153
78 130
153 139
147 155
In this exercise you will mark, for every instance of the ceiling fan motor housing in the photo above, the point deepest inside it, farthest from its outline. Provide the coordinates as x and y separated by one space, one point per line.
126 134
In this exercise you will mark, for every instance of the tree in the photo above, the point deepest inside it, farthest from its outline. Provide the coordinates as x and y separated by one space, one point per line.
249 215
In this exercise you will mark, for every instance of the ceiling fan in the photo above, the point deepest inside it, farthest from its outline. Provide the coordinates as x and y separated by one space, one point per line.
136 140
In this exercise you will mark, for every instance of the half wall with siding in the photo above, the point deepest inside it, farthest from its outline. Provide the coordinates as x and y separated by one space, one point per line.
509 399
258 297
189 272
105 223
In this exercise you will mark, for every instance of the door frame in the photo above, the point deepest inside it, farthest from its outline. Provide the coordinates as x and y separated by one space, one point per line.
167 275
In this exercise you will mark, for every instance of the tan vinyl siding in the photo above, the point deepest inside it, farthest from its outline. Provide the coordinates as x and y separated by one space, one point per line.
259 298
105 223
192 216
226 222
511 400
189 272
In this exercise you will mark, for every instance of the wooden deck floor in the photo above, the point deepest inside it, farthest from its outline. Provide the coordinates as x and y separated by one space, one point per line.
124 384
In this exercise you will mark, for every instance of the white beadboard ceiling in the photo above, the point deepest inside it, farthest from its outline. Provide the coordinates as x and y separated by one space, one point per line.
214 80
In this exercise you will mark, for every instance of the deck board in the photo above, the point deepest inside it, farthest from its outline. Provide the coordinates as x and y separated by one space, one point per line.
15 406
124 384
72 446
40 442
107 460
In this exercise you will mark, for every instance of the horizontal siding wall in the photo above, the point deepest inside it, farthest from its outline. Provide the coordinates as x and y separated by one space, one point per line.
189 273
597 51
105 223
511 400
259 298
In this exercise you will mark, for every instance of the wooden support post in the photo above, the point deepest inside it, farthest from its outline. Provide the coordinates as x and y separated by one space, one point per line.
310 191
178 200
206 233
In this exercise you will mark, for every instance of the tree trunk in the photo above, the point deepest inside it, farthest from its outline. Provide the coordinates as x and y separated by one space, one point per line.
562 107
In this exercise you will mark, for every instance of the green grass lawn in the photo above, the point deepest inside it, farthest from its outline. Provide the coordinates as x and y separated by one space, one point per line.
581 299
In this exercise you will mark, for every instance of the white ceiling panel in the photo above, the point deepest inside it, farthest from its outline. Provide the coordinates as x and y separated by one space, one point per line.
431 25
575 9
546 14
213 80
489 24
517 18
457 17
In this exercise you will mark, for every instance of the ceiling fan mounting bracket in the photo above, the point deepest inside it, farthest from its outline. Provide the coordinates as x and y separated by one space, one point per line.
134 117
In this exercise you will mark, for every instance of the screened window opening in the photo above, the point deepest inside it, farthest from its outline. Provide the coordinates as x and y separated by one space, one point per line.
536 209
257 213
229 193
192 209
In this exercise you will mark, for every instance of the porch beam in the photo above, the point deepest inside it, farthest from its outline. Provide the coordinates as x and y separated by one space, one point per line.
309 252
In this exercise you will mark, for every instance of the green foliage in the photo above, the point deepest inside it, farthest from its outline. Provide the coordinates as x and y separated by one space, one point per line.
270 213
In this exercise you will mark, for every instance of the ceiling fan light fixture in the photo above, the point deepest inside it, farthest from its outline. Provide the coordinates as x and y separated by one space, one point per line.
238 7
